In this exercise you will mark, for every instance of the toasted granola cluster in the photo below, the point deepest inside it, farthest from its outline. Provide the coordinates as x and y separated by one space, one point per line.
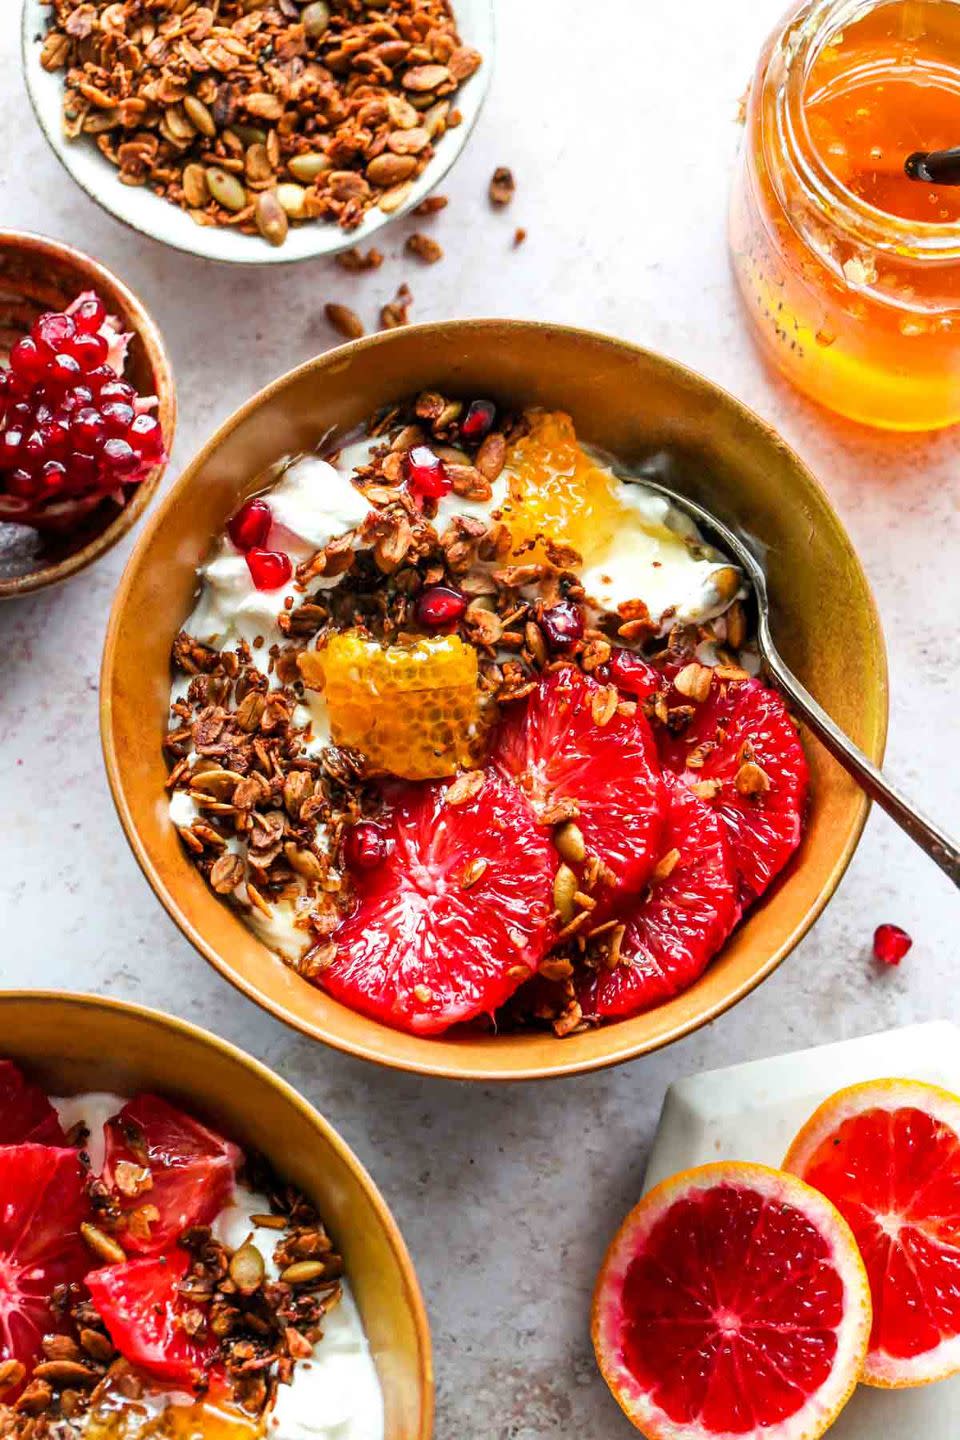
259 115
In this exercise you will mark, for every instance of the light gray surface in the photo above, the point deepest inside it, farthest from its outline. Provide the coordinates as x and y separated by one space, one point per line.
619 124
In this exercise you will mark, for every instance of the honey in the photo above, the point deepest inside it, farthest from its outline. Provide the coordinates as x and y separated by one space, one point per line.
849 269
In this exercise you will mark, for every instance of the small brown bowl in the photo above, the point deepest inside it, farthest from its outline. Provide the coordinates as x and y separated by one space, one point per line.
629 402
72 1043
38 274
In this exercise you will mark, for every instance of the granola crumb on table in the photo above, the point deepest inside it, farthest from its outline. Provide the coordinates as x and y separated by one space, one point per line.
258 114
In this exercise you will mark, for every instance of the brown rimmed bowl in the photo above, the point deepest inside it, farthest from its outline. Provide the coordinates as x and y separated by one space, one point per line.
38 274
72 1043
631 403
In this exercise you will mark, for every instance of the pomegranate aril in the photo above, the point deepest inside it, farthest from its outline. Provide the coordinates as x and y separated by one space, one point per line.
63 369
249 528
53 329
33 450
364 846
76 399
478 420
89 350
56 438
89 313
117 390
117 416
21 483
146 437
439 605
426 473
562 625
11 447
890 944
88 428
99 376
82 472
29 359
118 458
269 569
632 673
54 477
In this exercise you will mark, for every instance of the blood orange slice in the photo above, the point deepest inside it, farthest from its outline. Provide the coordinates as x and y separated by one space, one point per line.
190 1178
555 750
741 753
681 921
143 1310
732 1302
454 917
26 1114
42 1204
887 1154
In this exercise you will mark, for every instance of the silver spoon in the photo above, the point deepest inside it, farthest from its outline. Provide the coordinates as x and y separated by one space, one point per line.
929 837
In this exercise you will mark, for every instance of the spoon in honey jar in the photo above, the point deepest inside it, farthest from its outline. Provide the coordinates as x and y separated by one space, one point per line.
934 167
937 844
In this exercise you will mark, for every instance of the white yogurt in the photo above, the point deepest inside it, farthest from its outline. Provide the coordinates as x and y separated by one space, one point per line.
335 1395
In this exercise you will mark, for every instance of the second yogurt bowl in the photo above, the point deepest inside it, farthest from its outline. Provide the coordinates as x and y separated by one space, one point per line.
627 403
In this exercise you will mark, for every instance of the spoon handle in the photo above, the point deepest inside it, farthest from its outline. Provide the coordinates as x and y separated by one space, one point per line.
934 841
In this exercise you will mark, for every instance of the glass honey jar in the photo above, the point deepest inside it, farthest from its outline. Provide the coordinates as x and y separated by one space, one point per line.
850 269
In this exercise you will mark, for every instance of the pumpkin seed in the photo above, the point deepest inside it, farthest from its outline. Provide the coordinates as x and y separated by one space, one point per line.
307 167
273 225
257 165
199 116
315 19
195 190
226 188
293 198
569 840
102 1244
247 1269
248 134
303 1272
564 889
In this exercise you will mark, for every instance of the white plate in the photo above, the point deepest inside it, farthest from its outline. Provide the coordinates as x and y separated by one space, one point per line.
752 1112
142 210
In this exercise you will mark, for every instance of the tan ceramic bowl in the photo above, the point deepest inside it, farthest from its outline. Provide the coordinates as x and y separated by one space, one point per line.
72 1043
629 402
38 274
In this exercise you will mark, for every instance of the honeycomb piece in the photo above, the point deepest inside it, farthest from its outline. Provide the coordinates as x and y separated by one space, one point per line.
556 490
413 710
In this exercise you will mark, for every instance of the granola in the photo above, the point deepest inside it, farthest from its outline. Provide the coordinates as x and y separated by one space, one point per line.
262 114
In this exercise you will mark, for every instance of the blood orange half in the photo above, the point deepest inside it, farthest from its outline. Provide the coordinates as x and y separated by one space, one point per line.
887 1154
732 1302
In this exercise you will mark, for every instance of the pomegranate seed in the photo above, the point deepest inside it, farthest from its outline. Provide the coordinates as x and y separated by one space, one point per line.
87 427
56 438
33 450
890 944
115 389
269 569
78 397
118 459
629 672
11 447
562 624
89 314
478 420
146 437
21 483
29 359
426 473
439 605
117 415
89 351
364 846
249 528
99 376
63 369
53 330
81 472
54 476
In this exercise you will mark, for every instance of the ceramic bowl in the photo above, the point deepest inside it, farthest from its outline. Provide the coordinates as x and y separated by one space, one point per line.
629 402
38 274
139 208
72 1043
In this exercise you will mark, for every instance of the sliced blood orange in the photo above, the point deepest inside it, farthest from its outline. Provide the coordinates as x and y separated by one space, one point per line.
741 753
142 1308
678 925
555 751
26 1114
454 917
732 1302
191 1172
43 1202
887 1153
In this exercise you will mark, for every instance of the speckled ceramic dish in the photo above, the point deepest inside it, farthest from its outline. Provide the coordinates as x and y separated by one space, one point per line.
630 403
139 208
38 274
72 1043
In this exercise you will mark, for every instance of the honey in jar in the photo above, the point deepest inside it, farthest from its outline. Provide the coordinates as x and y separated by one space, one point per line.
850 269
